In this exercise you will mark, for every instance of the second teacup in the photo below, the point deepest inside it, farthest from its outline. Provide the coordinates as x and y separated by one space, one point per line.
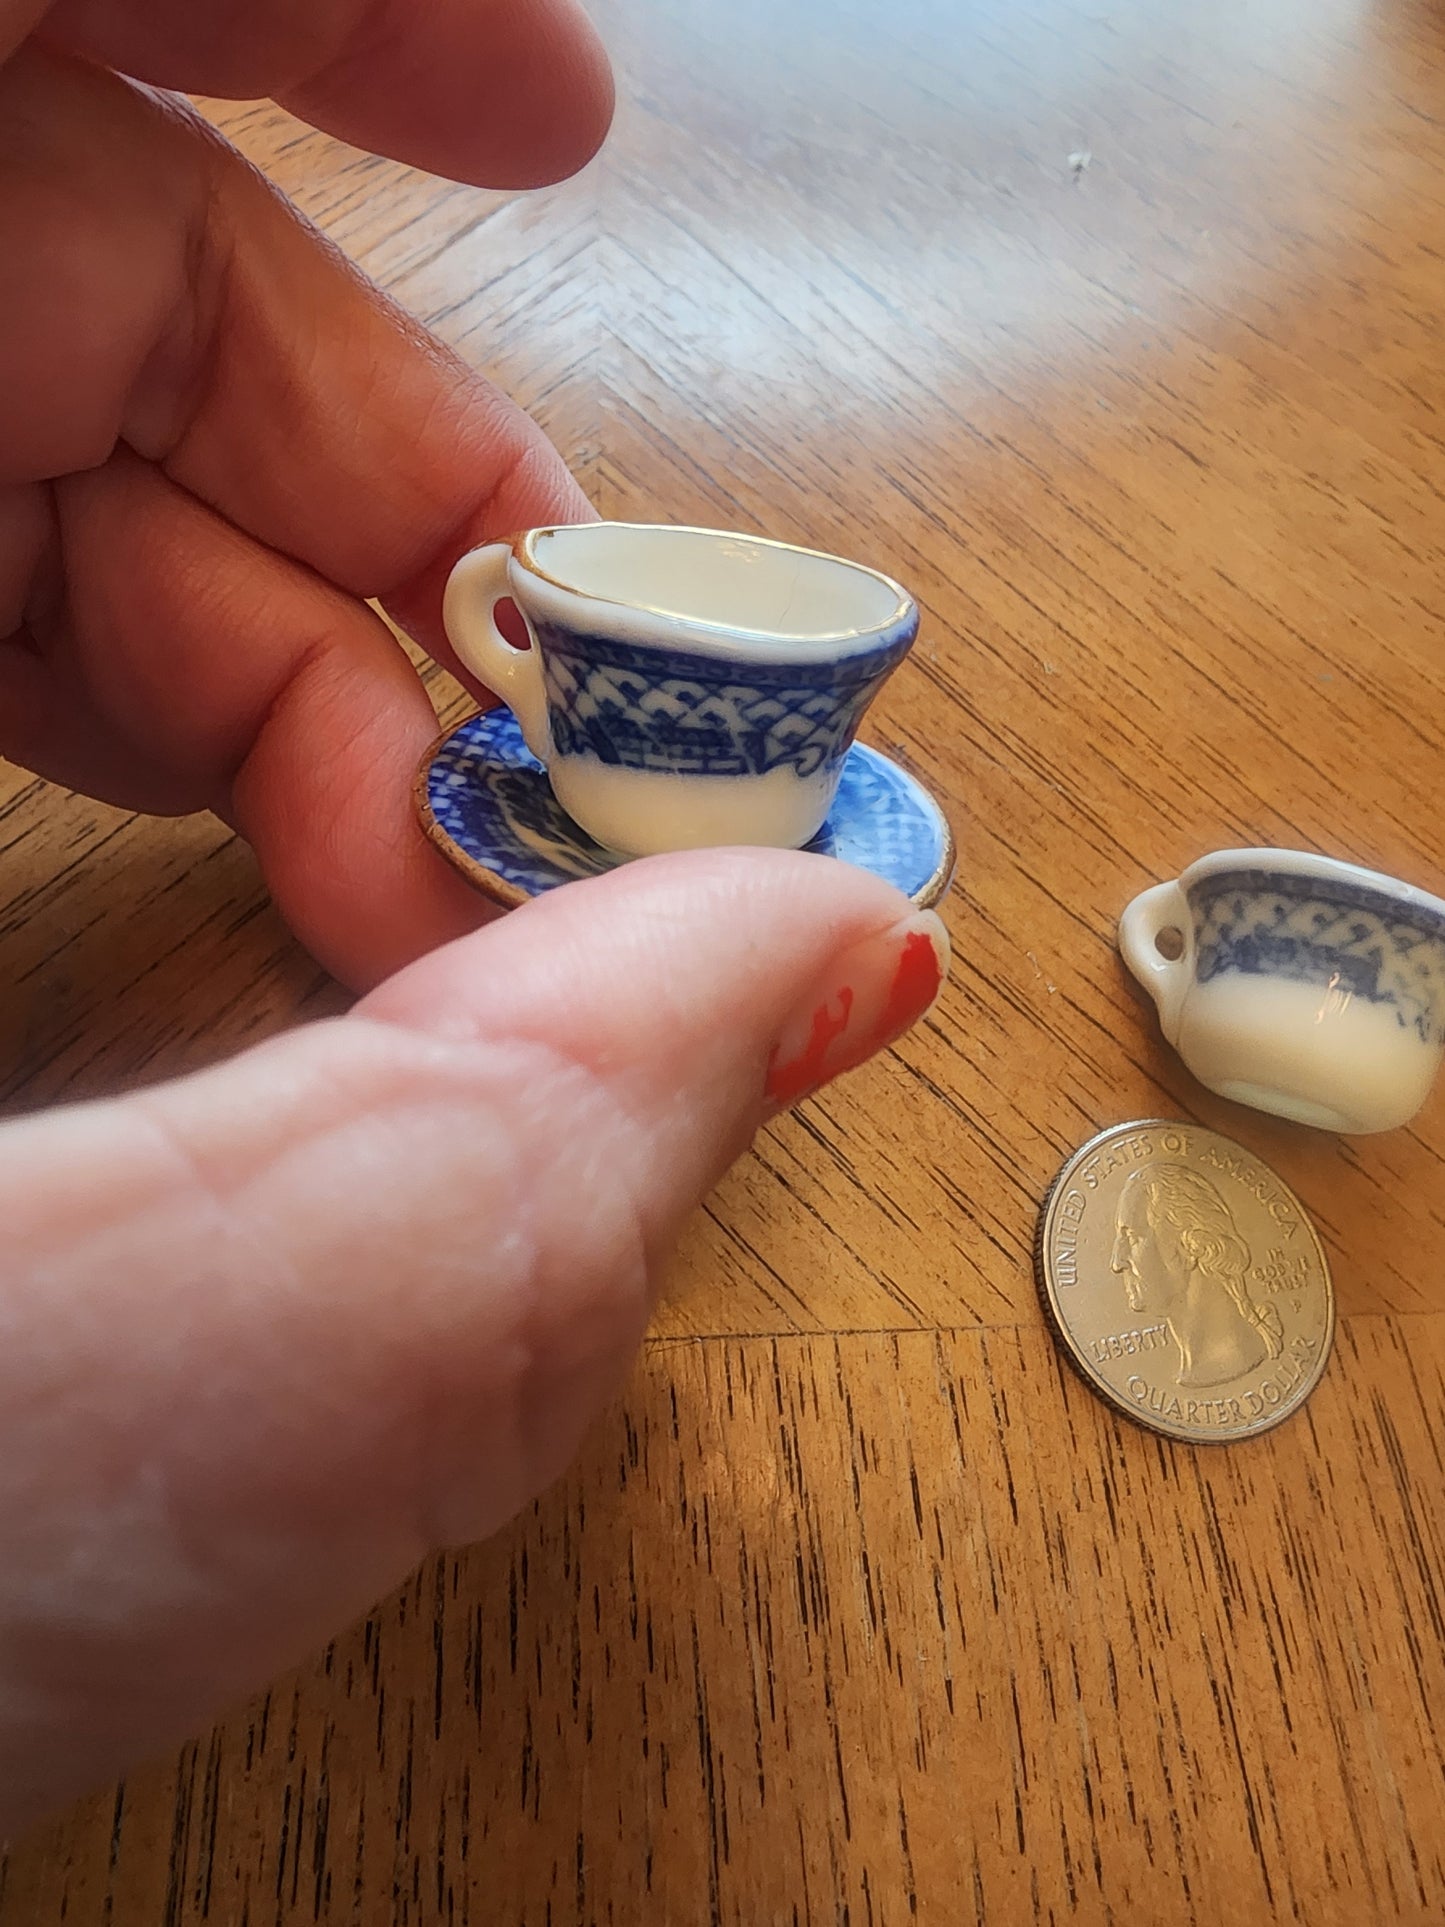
684 687
1301 985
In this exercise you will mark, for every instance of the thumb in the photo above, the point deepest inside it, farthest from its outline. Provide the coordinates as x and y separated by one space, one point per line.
272 1332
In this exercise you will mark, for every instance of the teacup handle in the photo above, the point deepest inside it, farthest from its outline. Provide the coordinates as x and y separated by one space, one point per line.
1165 907
474 588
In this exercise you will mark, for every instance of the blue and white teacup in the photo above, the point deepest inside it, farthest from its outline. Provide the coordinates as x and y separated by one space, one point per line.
1298 984
684 687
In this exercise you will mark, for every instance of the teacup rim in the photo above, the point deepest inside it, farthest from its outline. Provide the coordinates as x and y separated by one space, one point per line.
1309 864
905 605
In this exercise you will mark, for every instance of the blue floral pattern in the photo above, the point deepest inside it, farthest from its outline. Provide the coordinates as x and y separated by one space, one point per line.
1330 932
491 806
647 707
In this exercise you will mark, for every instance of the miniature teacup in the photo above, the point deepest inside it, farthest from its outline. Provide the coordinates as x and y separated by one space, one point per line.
684 686
1302 986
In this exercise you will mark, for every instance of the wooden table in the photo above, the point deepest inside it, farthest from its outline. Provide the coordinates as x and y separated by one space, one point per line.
1114 327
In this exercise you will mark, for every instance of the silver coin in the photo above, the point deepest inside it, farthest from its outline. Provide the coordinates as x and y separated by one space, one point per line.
1185 1281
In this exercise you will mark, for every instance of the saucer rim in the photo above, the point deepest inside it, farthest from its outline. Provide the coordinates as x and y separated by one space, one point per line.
507 896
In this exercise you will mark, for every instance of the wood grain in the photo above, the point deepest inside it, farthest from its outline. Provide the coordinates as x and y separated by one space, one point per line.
874 1627
1112 328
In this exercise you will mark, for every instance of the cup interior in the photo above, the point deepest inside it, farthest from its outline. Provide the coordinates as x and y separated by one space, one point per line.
749 587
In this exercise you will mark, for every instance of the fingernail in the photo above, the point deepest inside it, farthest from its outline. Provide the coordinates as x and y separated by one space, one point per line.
871 994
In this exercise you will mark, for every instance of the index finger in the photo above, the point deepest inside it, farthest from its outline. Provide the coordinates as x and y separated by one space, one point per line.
502 93
241 353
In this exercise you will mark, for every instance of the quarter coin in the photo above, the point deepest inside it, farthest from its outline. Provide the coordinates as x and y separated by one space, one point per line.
1185 1281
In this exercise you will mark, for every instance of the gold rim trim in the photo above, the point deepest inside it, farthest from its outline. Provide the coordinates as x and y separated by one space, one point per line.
509 897
939 884
496 889
522 547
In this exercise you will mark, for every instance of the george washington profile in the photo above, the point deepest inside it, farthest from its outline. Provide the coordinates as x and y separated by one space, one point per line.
1185 1264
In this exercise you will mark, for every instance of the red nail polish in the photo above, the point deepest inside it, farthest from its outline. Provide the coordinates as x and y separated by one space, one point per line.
788 1081
873 993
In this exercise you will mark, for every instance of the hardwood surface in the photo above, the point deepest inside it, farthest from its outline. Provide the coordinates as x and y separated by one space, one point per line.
1113 327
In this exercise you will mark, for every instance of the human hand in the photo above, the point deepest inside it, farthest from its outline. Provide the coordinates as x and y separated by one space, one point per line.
216 438
272 1332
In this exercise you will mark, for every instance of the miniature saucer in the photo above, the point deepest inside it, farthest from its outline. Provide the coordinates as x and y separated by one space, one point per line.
485 801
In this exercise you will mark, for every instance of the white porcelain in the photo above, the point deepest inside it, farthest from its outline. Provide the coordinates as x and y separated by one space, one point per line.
1306 987
484 801
684 687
